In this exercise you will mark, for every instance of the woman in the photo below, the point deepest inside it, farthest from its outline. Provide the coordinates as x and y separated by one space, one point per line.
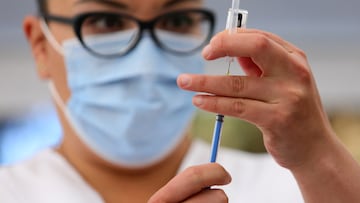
115 68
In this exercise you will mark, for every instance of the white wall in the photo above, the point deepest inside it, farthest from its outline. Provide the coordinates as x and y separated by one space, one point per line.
328 30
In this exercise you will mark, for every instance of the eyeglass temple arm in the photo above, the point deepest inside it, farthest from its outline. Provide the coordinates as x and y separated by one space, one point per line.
59 19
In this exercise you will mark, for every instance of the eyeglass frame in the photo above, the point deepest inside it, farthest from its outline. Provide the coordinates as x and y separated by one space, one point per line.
76 23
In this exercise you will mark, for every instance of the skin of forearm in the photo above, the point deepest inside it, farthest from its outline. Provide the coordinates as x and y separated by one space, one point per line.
333 176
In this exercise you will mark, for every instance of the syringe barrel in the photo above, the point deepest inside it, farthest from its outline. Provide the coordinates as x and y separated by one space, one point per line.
236 18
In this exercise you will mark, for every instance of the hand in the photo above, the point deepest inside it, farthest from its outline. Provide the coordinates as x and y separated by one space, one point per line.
193 185
278 94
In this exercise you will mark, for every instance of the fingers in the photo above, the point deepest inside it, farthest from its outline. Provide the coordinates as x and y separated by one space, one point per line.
278 93
192 182
253 111
231 86
289 47
266 50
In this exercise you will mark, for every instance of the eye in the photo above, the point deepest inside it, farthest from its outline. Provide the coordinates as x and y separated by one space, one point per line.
98 24
181 23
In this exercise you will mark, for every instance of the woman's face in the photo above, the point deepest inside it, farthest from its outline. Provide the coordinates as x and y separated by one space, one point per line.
52 62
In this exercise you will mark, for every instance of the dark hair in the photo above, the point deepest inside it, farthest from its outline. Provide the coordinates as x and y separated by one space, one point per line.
42 6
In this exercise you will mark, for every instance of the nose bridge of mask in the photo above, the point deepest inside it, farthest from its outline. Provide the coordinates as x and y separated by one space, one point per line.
155 66
152 60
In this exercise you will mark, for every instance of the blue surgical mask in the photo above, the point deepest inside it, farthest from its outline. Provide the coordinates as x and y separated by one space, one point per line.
128 110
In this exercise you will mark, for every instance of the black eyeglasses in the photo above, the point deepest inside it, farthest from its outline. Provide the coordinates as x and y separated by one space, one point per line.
180 32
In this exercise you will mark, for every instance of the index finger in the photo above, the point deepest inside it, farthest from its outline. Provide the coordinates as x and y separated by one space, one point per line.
268 54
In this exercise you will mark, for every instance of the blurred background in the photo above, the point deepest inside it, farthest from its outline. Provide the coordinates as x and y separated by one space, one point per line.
328 31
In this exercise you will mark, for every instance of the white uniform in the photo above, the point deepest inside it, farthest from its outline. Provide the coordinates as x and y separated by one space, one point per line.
49 178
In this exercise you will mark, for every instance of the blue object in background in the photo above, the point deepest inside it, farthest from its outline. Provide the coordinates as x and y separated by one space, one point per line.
24 135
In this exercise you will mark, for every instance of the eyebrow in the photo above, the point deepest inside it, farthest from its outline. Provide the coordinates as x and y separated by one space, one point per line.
174 2
106 2
120 5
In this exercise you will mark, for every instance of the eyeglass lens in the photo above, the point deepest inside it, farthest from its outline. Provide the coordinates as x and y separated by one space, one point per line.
115 34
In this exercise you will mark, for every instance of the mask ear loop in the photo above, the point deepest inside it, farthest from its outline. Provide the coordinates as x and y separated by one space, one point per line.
55 94
50 37
62 106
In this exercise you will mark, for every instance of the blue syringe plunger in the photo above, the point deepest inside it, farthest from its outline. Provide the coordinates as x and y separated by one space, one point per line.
216 137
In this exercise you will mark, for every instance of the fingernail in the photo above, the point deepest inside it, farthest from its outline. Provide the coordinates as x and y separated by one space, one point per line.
198 100
206 51
184 80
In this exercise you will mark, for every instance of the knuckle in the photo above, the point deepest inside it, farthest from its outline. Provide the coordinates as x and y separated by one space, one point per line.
302 53
237 85
238 108
303 73
261 42
296 101
296 96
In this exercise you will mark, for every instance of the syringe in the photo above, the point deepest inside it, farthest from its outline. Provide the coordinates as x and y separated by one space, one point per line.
236 18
